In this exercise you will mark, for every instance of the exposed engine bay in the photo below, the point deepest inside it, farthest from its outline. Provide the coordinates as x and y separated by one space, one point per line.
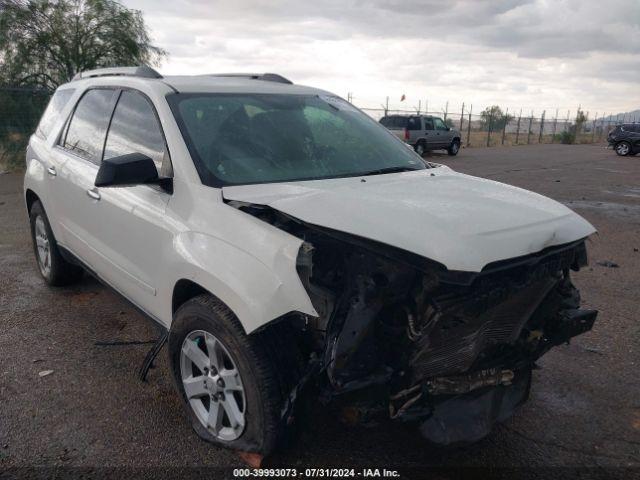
450 350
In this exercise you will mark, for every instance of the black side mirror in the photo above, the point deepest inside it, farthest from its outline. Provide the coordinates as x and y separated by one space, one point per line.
130 169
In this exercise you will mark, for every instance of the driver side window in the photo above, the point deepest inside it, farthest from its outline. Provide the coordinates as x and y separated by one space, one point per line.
135 129
439 124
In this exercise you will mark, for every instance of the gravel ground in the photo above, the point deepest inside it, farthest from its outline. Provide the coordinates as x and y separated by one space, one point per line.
584 410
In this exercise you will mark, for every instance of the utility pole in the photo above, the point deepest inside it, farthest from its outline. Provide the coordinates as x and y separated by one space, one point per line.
446 110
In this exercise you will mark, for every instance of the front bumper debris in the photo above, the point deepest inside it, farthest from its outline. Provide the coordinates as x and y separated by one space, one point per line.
469 418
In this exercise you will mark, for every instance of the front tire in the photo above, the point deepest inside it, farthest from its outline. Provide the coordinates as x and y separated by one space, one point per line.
454 148
623 149
420 148
227 379
55 270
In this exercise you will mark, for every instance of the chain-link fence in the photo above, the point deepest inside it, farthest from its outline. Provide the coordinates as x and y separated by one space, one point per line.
494 126
20 111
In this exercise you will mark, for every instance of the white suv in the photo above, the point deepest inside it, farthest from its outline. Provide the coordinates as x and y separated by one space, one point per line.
292 247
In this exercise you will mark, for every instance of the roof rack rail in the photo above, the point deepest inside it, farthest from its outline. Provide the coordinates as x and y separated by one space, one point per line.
142 71
267 77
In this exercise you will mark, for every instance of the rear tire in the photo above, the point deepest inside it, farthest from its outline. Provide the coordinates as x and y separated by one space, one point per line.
257 366
420 148
454 148
623 149
55 270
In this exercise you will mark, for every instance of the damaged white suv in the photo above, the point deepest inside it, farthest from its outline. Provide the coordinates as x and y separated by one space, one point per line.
292 247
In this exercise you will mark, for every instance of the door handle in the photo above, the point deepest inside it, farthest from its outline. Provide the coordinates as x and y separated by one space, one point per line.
94 193
52 171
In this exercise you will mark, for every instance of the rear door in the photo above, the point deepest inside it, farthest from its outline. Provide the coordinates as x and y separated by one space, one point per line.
430 134
414 129
76 158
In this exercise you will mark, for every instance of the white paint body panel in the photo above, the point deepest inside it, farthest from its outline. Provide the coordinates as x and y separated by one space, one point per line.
143 241
458 220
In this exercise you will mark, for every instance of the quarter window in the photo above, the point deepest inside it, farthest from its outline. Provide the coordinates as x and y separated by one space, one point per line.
88 126
53 110
135 129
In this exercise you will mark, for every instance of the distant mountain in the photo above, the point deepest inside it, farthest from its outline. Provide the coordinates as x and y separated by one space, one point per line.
632 116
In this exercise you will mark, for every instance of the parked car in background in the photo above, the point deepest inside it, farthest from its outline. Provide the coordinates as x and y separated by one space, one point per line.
424 132
625 139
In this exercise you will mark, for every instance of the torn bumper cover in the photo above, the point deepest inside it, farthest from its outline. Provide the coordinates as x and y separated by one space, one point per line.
457 357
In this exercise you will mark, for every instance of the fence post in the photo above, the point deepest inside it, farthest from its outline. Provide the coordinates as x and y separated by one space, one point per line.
593 129
490 125
529 129
518 127
555 124
461 118
469 126
386 107
566 123
446 111
541 126
504 125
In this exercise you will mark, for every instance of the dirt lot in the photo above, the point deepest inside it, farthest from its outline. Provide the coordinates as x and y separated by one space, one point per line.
91 411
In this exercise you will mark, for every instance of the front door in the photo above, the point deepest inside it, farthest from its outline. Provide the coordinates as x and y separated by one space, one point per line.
443 134
131 224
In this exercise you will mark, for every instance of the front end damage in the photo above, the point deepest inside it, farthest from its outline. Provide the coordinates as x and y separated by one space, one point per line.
401 336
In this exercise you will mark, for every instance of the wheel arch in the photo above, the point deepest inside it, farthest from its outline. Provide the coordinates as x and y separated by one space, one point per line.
256 292
30 198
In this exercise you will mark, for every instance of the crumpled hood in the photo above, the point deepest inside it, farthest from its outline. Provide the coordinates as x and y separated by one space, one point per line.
461 221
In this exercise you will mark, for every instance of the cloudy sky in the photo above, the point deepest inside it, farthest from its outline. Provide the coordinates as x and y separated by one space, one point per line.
530 54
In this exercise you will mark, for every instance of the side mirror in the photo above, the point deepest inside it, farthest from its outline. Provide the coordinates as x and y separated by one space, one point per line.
130 169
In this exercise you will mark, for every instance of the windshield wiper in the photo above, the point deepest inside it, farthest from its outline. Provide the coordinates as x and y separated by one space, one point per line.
381 171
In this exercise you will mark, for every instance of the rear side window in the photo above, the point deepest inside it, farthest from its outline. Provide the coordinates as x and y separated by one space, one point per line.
88 126
52 112
394 122
135 129
428 124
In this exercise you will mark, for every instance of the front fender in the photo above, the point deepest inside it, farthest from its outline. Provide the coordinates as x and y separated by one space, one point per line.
256 290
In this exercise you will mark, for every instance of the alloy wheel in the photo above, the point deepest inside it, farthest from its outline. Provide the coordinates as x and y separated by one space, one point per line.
213 385
622 149
43 246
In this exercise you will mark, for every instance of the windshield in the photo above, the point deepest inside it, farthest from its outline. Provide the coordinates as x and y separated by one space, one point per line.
257 138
